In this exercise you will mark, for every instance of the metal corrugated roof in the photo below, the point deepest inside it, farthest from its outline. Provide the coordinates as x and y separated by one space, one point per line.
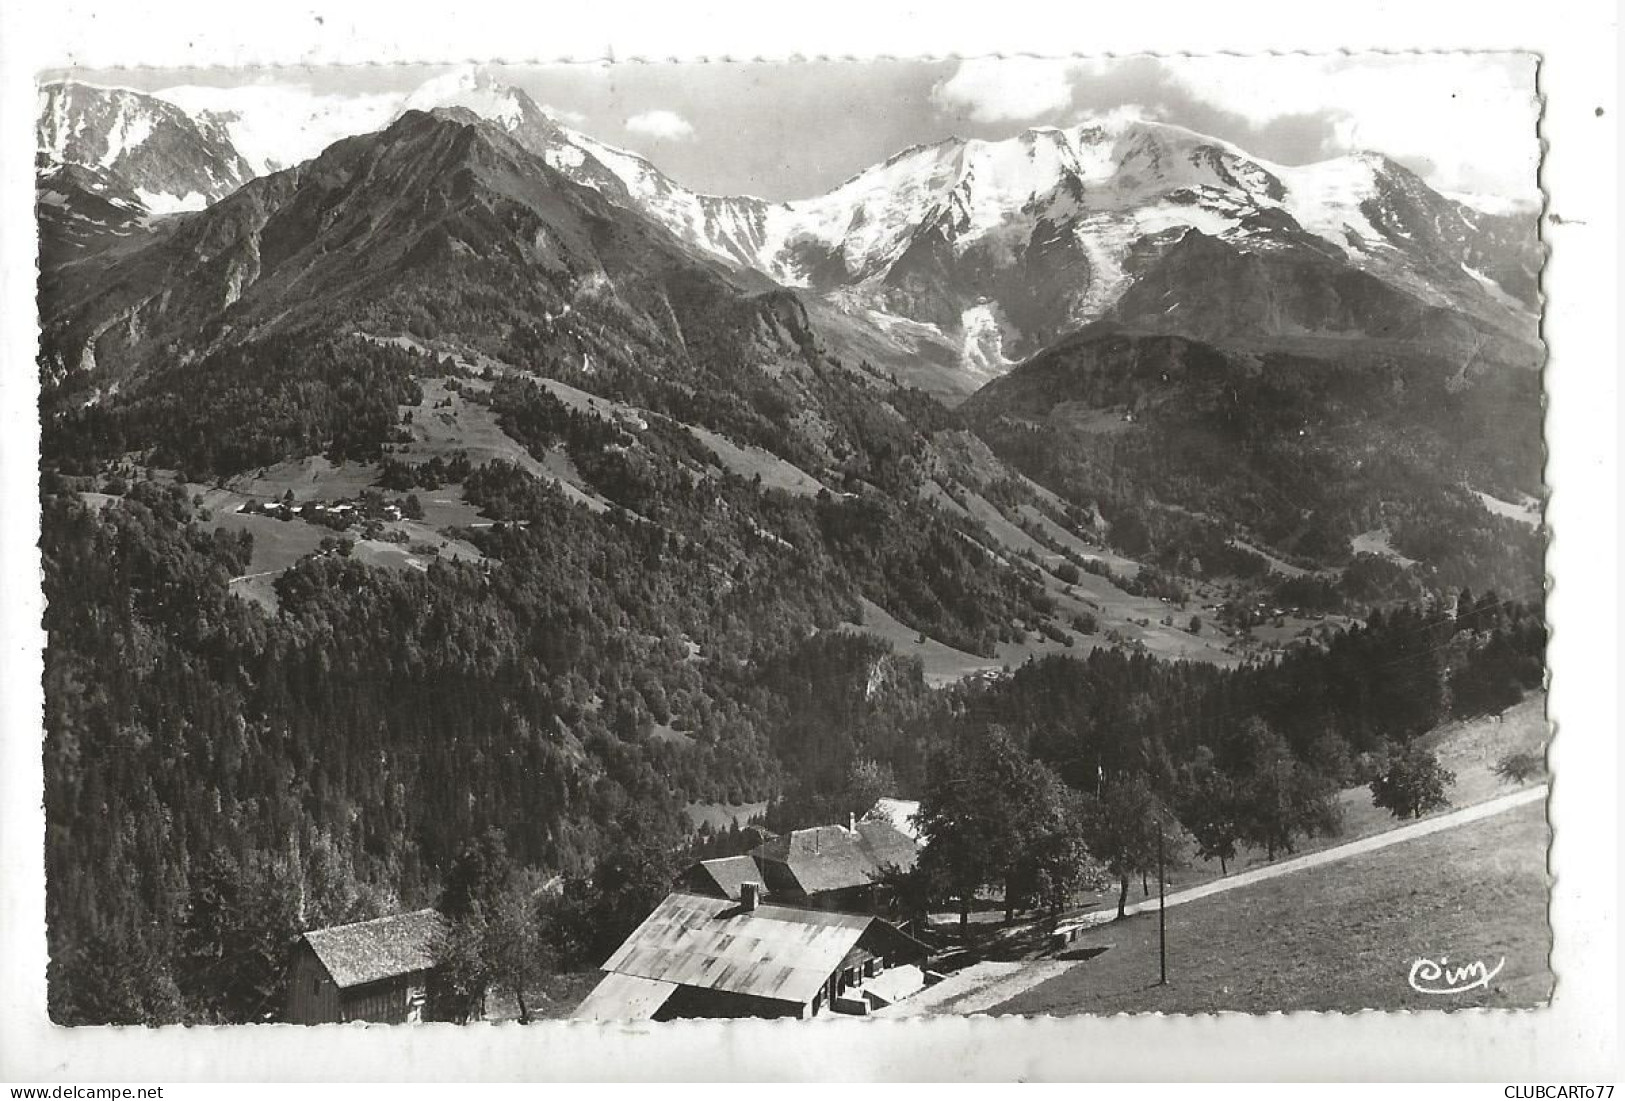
368 951
833 858
624 998
778 952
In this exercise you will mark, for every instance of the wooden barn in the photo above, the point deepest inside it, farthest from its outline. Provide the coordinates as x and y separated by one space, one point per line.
369 971
703 956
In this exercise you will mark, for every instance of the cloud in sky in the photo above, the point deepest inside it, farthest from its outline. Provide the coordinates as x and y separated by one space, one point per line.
1013 89
1465 121
665 125
563 114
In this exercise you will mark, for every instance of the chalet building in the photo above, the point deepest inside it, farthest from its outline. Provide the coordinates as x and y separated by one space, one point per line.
705 956
370 971
827 867
831 867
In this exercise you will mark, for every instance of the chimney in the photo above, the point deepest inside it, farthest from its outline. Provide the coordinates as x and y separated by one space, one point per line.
851 822
750 894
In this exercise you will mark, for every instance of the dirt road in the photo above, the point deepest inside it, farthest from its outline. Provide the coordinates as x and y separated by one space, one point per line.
1394 836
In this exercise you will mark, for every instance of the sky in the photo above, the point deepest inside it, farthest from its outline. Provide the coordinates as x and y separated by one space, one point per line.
1466 122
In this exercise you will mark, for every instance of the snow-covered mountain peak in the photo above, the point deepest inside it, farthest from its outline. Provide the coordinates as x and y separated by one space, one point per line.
478 90
89 124
1005 242
152 146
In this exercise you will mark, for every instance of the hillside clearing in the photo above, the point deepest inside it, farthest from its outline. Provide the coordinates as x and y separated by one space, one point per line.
1379 542
942 663
1527 511
278 544
1276 565
312 478
447 423
722 815
750 461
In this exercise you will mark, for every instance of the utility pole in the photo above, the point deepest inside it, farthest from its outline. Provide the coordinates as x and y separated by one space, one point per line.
1162 911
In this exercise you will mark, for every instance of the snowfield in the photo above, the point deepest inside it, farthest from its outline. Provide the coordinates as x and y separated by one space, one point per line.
277 126
161 203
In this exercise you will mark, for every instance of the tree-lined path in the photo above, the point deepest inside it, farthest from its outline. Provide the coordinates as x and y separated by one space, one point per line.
983 986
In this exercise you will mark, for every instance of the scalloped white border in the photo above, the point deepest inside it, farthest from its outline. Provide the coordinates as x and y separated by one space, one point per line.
1577 1038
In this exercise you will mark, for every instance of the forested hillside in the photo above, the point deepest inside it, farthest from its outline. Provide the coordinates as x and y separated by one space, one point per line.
218 778
1302 446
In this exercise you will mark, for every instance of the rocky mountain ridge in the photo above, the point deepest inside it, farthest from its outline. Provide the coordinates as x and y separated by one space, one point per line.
951 261
171 159
998 248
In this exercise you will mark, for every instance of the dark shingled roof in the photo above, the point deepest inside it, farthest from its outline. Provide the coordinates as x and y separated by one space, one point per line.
730 872
368 951
832 858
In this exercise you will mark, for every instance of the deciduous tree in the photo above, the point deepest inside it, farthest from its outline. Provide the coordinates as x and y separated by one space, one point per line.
1210 808
992 815
1123 825
1414 783
1280 799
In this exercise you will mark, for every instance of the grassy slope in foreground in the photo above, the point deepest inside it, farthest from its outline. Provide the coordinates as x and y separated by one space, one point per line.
1337 938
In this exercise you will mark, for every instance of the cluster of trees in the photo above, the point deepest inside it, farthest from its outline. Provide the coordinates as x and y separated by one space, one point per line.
345 748
993 815
1252 789
996 817
538 420
248 406
1411 782
432 473
510 926
1114 761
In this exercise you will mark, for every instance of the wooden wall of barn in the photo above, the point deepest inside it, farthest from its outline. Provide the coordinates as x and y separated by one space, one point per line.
314 999
312 996
389 1001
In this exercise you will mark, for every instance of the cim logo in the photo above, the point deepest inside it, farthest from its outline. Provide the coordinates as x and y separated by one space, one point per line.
1439 977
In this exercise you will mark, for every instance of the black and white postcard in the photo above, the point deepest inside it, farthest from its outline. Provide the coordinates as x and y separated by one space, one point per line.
881 540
